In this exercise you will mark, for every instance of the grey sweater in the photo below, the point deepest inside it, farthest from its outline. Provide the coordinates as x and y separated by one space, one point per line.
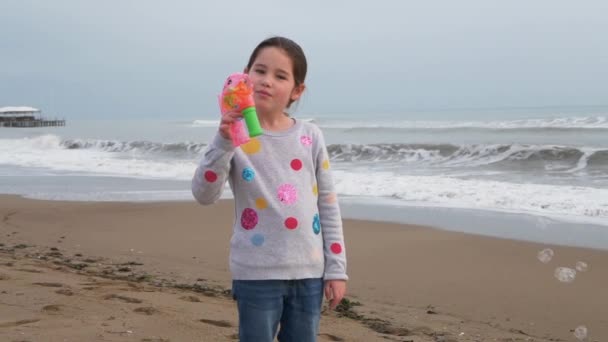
287 219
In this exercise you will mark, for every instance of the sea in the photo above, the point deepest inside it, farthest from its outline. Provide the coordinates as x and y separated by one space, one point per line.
537 174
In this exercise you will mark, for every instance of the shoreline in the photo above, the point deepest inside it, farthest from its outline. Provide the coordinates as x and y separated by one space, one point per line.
527 227
416 278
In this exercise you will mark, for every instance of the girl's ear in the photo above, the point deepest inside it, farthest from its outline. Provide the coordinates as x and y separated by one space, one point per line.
297 92
245 71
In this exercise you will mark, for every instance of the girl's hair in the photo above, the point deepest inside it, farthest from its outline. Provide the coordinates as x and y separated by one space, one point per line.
293 50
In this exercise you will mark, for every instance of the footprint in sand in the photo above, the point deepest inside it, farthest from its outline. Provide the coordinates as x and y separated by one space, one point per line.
28 270
222 324
4 277
18 323
193 299
148 310
65 292
123 298
49 284
331 337
52 308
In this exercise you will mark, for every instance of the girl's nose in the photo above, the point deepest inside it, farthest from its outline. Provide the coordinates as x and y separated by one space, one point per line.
265 82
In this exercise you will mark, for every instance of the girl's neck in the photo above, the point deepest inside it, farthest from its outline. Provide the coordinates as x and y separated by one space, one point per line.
276 122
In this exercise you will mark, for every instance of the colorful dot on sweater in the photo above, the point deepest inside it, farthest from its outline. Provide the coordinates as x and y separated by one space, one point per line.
249 218
316 224
210 176
261 203
315 190
248 174
287 194
257 240
296 164
252 147
336 248
325 164
306 140
291 223
331 198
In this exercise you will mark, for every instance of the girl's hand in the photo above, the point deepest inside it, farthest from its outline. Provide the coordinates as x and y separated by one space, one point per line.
227 120
334 292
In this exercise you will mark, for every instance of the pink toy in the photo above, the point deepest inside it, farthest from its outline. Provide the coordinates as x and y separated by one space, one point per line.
237 94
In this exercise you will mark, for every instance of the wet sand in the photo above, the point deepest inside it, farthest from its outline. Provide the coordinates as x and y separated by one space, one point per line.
112 271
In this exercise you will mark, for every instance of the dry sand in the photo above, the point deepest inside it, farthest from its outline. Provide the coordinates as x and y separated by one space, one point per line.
76 271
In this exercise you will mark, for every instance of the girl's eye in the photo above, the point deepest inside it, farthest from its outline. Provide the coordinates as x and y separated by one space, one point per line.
281 77
259 71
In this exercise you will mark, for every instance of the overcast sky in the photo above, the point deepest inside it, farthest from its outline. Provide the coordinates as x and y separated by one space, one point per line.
168 59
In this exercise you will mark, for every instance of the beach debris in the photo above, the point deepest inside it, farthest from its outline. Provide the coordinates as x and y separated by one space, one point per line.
580 332
582 266
565 274
545 255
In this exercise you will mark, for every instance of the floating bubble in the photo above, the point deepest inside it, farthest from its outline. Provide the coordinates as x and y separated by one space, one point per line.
565 274
545 255
542 222
580 332
582 266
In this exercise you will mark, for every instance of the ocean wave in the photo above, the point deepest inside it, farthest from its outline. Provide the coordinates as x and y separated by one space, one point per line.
543 157
548 156
179 149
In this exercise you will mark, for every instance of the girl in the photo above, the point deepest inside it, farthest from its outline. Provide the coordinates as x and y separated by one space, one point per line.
287 246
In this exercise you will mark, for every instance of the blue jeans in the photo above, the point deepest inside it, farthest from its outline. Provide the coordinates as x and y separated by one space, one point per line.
263 304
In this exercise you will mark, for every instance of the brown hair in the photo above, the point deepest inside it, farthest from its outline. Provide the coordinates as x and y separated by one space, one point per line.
293 50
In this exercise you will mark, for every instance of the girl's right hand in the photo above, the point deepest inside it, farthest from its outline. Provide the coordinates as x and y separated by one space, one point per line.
227 120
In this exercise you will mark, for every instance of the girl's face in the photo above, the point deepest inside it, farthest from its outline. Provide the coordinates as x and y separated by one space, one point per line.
273 83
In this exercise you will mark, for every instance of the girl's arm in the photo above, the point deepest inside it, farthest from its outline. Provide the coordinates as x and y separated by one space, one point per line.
329 214
212 172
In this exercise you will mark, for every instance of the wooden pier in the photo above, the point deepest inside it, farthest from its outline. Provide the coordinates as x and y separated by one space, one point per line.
32 123
25 117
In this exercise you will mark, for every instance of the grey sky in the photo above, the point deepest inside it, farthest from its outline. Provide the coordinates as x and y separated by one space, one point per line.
136 58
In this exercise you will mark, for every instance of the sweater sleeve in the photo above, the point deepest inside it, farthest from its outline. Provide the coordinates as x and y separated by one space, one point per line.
212 172
329 215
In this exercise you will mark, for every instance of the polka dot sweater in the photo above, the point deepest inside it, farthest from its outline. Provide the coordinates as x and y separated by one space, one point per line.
287 219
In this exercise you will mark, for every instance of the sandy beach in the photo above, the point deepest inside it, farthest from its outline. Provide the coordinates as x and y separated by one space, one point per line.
109 271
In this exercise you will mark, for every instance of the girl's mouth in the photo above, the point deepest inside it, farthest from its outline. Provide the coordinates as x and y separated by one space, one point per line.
264 93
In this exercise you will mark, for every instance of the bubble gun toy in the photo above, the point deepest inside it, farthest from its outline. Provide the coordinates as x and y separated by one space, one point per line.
237 95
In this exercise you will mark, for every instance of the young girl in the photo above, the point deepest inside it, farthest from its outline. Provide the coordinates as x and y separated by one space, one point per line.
287 246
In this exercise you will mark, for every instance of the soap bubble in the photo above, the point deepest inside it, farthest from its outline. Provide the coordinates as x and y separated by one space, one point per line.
565 274
545 255
581 266
580 332
542 222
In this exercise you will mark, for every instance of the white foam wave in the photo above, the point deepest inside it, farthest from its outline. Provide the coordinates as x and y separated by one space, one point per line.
46 152
573 202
